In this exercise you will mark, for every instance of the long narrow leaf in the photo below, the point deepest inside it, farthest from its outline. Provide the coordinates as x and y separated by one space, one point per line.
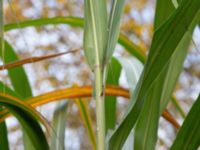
114 70
78 92
27 117
95 28
58 127
4 145
188 137
133 69
85 115
3 128
147 123
147 126
19 81
132 48
163 46
113 28
18 77
32 60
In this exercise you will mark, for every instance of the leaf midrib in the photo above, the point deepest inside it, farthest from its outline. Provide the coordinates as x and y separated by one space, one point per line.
94 31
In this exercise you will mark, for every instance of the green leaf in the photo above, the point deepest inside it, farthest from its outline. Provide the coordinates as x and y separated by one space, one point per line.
5 89
132 48
4 145
114 70
73 21
165 41
147 123
58 126
147 126
163 11
176 62
95 29
86 117
129 144
3 129
27 117
133 69
18 76
188 137
19 81
113 28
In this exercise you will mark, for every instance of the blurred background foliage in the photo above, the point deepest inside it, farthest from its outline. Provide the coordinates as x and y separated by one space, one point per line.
70 69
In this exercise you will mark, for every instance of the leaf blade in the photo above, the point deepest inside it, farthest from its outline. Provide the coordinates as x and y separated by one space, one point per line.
114 70
58 126
27 117
188 137
163 45
95 28
85 115
113 28
131 47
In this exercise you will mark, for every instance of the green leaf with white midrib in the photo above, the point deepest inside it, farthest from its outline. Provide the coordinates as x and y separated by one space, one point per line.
188 137
164 43
95 27
113 27
58 127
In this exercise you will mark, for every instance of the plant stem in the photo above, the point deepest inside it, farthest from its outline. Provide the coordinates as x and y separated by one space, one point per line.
100 113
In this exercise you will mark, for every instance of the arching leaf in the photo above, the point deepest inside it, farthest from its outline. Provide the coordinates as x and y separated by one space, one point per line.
28 118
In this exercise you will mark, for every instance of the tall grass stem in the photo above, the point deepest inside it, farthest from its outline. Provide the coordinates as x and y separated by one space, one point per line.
99 97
